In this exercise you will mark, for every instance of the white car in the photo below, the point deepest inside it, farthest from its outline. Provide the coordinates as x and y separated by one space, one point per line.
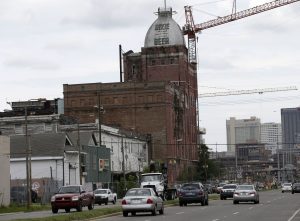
245 193
286 187
105 196
142 200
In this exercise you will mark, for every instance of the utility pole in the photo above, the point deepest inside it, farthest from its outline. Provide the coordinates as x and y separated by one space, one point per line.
99 119
79 153
28 160
123 163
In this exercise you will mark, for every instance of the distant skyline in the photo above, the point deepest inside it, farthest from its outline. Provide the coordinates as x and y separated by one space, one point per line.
45 44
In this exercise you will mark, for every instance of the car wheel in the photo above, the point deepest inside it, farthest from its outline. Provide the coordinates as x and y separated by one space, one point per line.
114 201
180 204
203 202
225 198
235 202
282 191
67 210
99 204
221 198
293 192
133 213
206 202
154 211
125 214
79 208
161 211
185 204
54 210
91 206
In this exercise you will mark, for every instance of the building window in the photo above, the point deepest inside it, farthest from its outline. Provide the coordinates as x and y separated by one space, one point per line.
153 62
116 100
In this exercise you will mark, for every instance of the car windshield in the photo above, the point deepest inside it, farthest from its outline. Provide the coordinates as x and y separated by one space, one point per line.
69 189
152 177
245 187
100 191
138 192
229 187
190 186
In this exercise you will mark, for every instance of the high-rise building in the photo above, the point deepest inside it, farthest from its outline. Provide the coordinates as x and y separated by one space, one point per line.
243 131
290 121
158 96
271 136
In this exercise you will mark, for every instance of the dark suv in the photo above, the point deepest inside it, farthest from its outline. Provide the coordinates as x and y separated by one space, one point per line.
193 193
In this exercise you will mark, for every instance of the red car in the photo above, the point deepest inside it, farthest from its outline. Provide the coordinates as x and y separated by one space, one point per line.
69 197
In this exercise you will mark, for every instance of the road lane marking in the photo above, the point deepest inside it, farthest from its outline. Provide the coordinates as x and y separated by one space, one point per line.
179 213
269 202
293 216
251 207
236 213
215 219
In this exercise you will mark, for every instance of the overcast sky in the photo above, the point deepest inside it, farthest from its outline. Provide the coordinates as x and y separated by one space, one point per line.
47 43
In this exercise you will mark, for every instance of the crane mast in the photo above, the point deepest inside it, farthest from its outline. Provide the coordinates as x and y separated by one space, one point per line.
190 29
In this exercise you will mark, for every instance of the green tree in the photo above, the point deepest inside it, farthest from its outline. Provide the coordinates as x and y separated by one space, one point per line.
207 168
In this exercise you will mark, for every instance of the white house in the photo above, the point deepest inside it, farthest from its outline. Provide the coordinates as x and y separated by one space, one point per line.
54 157
135 150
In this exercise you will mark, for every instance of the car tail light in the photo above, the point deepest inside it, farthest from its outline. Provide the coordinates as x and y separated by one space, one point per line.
252 193
236 194
200 193
179 193
124 202
149 201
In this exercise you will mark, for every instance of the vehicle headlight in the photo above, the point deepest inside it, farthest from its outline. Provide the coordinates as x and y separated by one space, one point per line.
53 199
75 198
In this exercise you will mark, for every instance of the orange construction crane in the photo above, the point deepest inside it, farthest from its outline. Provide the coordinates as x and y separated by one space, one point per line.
190 28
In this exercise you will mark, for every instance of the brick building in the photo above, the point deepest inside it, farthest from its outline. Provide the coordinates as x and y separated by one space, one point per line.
158 96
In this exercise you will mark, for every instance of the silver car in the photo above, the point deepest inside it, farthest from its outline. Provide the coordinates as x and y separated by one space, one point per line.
245 193
142 200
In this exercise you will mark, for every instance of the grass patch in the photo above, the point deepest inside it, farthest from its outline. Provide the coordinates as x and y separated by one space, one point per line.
23 208
214 196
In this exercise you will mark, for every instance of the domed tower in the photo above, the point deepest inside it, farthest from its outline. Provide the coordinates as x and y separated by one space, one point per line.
164 59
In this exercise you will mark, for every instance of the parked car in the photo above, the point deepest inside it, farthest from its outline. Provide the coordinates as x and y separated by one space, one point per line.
220 186
142 200
69 197
18 194
227 191
105 196
286 187
296 188
192 193
209 188
245 193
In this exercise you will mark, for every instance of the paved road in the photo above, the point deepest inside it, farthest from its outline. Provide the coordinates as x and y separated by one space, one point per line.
274 206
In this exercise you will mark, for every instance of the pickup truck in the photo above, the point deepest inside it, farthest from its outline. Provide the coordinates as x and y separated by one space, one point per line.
69 197
105 196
